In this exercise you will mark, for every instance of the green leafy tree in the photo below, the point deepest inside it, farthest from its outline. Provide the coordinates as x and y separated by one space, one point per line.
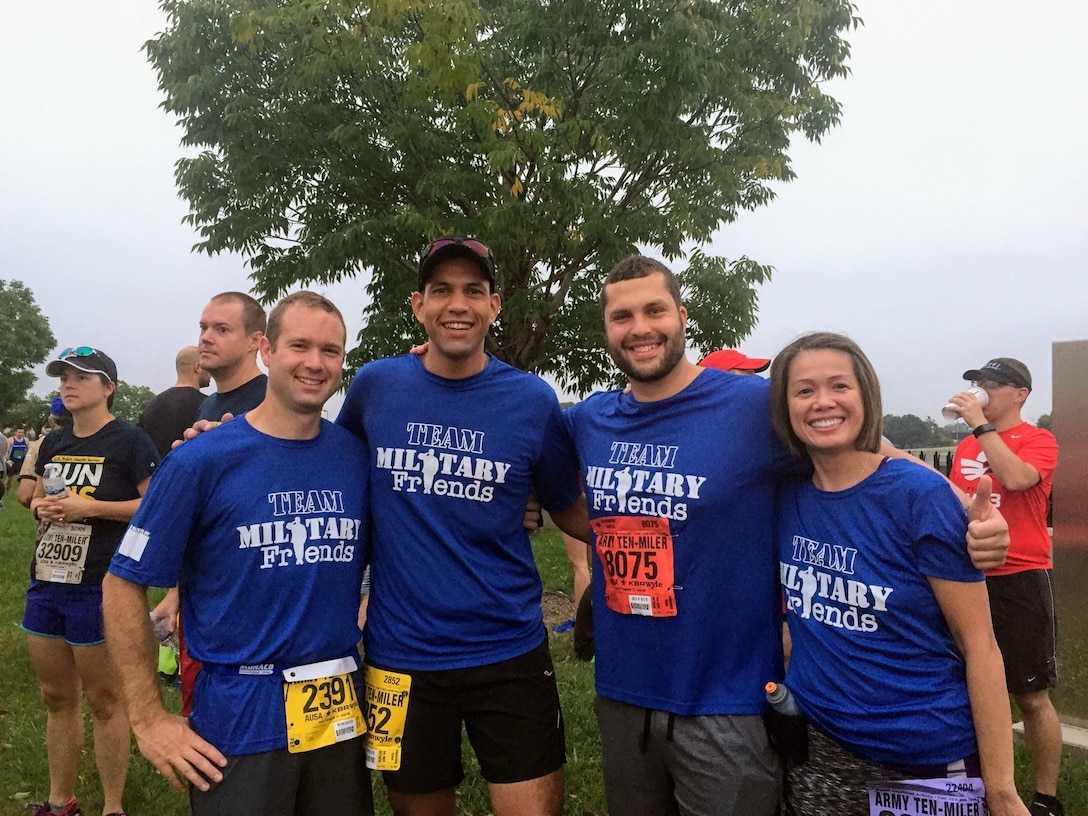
31 412
1045 421
25 341
909 431
334 138
129 400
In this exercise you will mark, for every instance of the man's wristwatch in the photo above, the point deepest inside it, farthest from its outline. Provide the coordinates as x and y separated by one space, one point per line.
985 427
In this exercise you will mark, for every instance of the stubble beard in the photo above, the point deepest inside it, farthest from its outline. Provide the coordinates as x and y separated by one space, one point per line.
221 369
674 353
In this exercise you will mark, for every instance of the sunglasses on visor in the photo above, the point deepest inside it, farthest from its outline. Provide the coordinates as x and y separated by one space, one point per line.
78 351
478 247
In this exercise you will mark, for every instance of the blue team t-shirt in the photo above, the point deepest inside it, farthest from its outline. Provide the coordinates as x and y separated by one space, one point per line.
452 463
698 471
265 538
874 664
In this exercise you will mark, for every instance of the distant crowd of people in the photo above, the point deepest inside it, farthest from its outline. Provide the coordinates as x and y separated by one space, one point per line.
725 531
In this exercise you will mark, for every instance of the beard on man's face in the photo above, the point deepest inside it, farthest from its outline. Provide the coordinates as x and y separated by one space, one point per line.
673 354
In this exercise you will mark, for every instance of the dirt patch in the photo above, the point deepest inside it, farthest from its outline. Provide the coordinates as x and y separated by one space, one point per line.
557 608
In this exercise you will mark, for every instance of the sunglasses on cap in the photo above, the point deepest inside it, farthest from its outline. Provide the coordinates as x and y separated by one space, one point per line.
478 247
85 358
78 351
441 248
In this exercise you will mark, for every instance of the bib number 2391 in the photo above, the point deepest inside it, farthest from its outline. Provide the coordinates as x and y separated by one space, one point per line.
321 704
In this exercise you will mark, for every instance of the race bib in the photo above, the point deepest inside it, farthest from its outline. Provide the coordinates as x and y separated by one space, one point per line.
637 555
321 704
61 553
962 796
386 709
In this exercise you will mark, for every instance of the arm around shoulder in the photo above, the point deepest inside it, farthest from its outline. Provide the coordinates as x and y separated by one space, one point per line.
574 520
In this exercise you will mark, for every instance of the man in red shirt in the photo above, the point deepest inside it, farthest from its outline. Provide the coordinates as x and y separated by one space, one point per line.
1021 460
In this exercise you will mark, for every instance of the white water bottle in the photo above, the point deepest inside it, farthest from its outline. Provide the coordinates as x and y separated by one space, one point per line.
52 480
781 699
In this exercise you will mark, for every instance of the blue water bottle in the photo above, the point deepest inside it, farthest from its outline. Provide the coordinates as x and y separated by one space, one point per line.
781 699
787 728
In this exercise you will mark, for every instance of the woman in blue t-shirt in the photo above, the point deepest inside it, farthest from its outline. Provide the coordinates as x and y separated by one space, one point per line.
106 464
893 657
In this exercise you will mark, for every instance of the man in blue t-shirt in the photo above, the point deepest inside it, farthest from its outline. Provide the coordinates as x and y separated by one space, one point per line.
454 636
680 479
269 558
16 453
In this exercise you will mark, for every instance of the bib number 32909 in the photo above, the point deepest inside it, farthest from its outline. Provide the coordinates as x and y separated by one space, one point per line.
61 553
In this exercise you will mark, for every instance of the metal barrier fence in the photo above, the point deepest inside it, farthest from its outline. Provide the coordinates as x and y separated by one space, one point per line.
939 462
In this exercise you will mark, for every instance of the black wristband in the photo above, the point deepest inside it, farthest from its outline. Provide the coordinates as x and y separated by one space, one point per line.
985 427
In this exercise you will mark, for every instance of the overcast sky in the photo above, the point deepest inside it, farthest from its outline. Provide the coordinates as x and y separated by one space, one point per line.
941 224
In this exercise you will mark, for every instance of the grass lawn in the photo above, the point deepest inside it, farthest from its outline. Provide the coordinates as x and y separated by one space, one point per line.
23 776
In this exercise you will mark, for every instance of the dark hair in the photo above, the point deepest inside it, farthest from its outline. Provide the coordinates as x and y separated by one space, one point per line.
310 300
872 425
639 266
63 419
253 316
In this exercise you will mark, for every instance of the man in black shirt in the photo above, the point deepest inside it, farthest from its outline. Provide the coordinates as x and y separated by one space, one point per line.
176 408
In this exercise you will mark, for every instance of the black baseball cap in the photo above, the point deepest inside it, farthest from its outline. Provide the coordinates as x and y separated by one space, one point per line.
84 358
1002 370
456 246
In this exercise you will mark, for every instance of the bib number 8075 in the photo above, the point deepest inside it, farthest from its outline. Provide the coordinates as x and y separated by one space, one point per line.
637 564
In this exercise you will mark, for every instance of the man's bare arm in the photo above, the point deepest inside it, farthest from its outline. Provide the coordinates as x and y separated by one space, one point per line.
166 740
574 520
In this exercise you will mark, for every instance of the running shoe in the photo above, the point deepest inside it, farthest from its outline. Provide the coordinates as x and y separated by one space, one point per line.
71 808
1042 809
